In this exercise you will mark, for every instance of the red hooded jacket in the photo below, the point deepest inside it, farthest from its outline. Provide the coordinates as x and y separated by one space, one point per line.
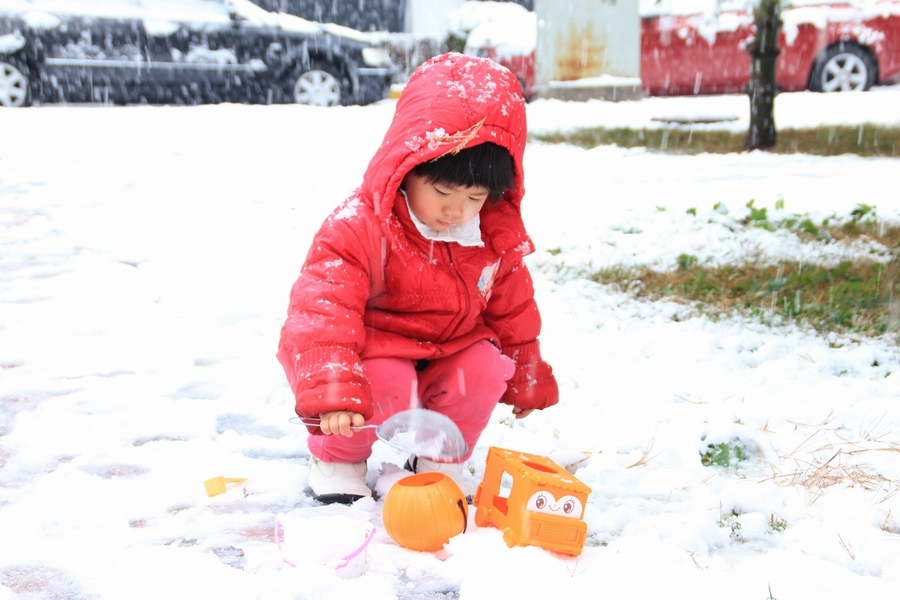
372 286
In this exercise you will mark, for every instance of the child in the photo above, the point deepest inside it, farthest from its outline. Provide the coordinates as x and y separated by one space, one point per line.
416 282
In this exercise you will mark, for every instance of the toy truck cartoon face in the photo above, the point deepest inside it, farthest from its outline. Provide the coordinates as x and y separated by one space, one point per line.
547 503
544 505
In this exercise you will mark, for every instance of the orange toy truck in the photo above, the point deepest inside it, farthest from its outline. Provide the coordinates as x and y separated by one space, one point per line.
544 505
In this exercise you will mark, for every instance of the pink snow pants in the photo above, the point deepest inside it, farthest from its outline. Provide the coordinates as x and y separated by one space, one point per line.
465 386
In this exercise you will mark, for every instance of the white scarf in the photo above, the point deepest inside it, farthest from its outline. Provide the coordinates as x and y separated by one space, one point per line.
466 234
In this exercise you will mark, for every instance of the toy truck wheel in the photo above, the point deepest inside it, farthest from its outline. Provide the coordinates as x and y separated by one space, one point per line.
481 519
509 536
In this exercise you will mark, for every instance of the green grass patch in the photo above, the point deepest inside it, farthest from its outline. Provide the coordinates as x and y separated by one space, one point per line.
859 296
723 455
851 297
863 140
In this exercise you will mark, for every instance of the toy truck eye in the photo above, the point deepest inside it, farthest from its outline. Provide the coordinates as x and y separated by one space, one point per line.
540 502
569 506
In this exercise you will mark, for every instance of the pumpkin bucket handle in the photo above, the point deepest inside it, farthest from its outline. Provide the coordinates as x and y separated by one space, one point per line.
465 513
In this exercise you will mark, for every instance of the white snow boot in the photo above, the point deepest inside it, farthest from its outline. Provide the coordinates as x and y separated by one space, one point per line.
342 483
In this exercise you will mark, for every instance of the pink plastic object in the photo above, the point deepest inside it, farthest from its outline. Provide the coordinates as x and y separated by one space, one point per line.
338 564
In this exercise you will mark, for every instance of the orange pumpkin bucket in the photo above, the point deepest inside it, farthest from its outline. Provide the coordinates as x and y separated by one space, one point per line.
422 512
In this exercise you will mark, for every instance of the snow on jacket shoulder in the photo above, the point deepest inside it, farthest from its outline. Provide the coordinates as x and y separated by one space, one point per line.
373 286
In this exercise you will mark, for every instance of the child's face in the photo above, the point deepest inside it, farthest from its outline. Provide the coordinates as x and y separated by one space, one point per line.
439 205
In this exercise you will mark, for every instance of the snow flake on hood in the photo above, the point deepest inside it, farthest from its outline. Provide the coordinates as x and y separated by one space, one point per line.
436 138
432 139
333 264
348 209
482 90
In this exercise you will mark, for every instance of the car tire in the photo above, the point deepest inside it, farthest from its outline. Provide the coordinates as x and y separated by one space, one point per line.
15 88
843 67
319 85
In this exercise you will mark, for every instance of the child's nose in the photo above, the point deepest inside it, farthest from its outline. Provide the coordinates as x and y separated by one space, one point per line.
453 209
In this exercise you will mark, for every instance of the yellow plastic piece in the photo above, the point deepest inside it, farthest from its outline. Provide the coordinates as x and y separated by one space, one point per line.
544 506
216 485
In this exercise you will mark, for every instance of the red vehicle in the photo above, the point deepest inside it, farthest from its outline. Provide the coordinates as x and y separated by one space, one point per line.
830 47
826 46
522 65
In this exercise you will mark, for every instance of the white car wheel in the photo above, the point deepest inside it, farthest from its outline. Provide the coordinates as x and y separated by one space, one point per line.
13 86
844 69
317 88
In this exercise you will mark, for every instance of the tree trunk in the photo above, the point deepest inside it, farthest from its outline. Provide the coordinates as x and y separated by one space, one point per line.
763 52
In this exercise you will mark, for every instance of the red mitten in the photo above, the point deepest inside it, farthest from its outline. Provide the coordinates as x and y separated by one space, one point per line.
533 386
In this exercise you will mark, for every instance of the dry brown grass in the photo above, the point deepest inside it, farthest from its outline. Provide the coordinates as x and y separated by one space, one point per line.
826 459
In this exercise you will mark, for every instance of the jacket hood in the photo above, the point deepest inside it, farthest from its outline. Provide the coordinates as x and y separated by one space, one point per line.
451 102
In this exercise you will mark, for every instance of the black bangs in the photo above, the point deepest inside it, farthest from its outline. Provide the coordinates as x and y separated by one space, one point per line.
486 165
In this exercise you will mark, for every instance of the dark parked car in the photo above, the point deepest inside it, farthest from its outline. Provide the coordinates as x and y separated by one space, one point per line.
182 52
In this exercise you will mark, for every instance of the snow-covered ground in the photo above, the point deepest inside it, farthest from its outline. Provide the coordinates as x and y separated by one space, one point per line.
146 254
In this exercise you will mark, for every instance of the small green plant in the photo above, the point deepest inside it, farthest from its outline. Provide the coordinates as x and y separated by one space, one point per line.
757 215
692 211
861 210
686 261
777 523
731 521
809 227
723 455
554 251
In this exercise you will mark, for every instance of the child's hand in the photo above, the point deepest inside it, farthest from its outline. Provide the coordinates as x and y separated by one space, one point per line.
521 413
340 421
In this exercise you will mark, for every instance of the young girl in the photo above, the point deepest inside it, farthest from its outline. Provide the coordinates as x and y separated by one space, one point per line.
416 281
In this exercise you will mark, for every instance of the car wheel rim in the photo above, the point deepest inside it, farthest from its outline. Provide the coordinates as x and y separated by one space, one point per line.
317 88
845 72
13 86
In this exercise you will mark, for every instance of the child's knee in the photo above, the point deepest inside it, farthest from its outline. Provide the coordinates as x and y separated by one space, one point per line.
489 358
392 381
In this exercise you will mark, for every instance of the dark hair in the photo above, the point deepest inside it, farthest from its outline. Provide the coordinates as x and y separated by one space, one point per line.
486 165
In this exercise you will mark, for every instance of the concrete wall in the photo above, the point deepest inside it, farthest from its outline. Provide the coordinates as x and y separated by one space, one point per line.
586 39
428 17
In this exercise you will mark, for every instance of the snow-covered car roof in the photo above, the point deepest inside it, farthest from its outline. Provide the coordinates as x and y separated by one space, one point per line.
158 14
650 8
